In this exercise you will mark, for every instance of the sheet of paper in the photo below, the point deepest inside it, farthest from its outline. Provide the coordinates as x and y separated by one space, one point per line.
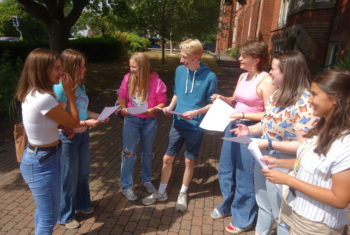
106 112
137 109
218 116
239 139
172 112
255 151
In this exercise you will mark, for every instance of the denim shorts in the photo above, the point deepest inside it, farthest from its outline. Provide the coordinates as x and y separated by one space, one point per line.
178 136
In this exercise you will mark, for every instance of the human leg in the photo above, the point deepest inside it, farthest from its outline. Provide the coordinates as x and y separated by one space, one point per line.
44 181
226 175
131 137
148 133
243 207
82 198
69 177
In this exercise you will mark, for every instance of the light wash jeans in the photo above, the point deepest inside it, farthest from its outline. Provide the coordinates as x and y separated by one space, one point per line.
236 178
137 131
75 166
43 179
268 198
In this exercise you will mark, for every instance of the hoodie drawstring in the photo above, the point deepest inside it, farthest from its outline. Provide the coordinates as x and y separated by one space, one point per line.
193 80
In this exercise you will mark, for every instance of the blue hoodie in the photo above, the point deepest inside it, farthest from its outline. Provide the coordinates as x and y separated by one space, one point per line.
193 90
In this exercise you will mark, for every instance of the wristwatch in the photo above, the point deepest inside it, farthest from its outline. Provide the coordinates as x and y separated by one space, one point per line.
269 144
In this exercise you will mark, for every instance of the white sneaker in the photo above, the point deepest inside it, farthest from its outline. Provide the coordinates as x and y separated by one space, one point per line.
149 187
72 224
151 199
181 203
129 194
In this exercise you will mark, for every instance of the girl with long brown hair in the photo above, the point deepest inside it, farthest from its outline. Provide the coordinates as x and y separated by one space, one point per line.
140 87
40 165
319 185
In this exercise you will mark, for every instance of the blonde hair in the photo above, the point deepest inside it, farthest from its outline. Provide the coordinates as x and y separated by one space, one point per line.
138 84
35 73
192 46
71 63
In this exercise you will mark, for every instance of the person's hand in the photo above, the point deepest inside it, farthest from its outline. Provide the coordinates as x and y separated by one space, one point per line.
166 110
92 122
240 130
271 162
124 112
189 115
69 132
275 176
215 96
105 121
67 83
262 144
150 112
236 116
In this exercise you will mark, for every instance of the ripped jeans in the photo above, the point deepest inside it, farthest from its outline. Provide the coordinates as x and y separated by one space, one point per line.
137 131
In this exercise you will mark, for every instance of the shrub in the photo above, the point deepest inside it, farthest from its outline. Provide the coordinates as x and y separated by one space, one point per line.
343 64
98 49
132 42
9 73
233 52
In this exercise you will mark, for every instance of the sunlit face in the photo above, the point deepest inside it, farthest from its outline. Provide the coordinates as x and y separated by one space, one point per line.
247 63
276 74
134 67
55 72
188 60
322 102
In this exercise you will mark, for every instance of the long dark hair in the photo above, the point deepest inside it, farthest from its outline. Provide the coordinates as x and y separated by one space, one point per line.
335 84
296 78
34 76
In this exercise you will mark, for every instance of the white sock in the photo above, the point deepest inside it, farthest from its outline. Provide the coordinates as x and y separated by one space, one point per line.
162 188
183 189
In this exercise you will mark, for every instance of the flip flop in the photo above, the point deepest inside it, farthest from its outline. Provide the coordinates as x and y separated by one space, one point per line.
215 214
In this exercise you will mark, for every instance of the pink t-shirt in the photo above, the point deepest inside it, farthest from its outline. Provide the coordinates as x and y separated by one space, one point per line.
247 100
156 92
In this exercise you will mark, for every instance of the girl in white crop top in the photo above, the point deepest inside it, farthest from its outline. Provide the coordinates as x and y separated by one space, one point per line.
40 165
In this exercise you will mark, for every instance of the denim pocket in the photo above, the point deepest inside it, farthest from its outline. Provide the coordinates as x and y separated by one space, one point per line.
27 171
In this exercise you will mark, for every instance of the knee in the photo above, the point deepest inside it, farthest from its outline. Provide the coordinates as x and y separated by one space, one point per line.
127 153
189 163
168 160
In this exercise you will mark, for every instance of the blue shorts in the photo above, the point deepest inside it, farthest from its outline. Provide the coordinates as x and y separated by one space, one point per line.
178 136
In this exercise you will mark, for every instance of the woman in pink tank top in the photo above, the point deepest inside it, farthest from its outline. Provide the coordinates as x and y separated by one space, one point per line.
236 166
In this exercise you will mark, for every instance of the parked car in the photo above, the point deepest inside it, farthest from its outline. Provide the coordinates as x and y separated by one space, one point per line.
8 38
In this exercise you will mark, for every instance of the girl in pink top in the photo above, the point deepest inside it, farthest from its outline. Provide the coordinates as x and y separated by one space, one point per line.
236 166
139 87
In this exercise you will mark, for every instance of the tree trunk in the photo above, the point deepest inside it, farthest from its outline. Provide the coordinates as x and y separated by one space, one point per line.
58 36
163 49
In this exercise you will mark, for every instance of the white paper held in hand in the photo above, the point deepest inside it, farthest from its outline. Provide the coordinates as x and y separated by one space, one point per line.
138 109
218 116
106 112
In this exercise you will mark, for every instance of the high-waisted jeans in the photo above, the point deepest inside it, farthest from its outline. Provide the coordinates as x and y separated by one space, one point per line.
41 171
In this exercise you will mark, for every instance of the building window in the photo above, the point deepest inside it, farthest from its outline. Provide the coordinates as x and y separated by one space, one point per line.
282 21
332 55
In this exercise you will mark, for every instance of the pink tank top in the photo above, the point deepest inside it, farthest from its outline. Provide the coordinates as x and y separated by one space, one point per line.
247 100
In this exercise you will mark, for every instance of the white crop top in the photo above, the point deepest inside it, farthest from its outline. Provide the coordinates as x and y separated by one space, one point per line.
39 128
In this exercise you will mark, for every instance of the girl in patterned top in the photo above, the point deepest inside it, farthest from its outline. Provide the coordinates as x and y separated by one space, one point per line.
287 117
320 180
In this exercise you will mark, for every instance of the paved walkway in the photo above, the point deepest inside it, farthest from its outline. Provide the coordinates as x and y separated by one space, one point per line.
113 213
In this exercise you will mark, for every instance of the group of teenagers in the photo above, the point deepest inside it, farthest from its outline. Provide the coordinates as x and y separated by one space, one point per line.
301 128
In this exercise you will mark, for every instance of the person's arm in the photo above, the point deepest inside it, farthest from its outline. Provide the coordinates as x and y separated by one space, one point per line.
122 103
171 106
227 99
242 129
273 162
338 196
288 147
247 116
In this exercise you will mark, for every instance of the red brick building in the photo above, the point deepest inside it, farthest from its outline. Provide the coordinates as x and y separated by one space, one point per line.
318 28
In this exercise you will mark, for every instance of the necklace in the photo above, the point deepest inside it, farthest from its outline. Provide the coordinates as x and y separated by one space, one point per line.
308 146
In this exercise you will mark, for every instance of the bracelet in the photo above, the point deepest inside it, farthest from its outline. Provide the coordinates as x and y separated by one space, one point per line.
242 115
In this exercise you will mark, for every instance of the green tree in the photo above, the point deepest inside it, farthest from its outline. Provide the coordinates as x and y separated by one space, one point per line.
58 16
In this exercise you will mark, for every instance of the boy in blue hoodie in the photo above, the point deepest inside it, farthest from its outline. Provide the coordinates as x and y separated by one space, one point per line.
195 83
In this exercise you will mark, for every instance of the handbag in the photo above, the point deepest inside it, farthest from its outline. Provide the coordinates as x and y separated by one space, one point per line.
21 140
